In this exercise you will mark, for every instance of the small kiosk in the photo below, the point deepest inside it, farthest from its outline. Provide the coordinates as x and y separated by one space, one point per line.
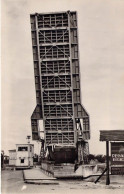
12 157
24 155
116 138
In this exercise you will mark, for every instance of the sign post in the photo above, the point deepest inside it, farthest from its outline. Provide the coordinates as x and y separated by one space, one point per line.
107 163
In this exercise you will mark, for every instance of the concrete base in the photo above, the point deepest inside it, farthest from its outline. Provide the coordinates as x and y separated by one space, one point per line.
23 167
36 176
42 182
68 170
89 170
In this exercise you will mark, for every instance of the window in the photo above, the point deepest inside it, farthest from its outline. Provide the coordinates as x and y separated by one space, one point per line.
22 160
22 148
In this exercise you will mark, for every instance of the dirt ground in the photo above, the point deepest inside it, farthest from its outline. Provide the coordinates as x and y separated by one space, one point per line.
12 182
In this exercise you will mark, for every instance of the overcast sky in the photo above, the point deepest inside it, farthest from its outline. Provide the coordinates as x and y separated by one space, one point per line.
101 45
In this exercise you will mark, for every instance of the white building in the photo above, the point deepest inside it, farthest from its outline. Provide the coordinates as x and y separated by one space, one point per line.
12 157
24 155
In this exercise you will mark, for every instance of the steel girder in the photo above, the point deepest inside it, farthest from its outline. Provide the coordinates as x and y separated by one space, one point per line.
57 76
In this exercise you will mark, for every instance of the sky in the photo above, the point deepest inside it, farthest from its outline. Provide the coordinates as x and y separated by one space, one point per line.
101 46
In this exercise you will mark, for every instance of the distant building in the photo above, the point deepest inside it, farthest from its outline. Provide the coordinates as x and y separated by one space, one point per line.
2 159
24 155
12 157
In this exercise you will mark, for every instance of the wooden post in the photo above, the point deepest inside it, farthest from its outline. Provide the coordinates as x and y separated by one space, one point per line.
107 163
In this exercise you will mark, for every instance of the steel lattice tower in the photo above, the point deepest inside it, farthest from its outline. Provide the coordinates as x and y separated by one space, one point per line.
57 80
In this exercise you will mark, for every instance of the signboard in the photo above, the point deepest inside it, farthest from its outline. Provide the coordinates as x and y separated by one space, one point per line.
117 153
117 158
117 170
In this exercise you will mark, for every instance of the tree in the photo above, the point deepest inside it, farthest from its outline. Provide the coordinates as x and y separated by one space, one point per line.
101 158
91 157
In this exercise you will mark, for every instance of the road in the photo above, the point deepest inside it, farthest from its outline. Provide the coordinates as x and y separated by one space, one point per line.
12 182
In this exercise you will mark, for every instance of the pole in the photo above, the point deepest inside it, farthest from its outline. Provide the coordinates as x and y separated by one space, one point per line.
100 175
107 163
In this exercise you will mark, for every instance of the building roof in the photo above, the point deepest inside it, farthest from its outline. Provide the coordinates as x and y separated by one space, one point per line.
112 135
25 144
14 150
6 156
47 13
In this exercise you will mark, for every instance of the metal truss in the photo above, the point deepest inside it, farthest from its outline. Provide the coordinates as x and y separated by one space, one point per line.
55 48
